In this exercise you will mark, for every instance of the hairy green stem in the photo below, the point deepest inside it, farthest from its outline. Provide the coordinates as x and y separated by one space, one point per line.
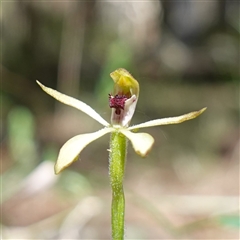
117 156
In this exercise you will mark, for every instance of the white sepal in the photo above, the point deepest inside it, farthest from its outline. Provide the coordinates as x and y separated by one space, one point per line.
170 120
72 148
74 103
142 142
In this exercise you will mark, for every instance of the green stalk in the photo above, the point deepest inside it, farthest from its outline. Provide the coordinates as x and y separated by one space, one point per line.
117 156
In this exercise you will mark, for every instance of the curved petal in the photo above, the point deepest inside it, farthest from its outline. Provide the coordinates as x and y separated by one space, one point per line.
170 120
73 147
142 142
73 102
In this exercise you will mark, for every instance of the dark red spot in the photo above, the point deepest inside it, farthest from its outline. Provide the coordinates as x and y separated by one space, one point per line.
117 102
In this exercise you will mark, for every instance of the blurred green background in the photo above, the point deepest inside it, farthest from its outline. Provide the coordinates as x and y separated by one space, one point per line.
185 56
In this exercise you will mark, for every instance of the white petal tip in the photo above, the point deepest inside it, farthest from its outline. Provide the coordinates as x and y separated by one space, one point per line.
145 145
142 142
199 112
144 153
71 150
40 84
58 169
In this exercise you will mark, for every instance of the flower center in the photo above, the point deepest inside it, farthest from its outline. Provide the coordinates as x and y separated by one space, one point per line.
117 102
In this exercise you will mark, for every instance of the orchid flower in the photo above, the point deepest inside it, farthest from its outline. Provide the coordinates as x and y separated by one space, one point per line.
123 102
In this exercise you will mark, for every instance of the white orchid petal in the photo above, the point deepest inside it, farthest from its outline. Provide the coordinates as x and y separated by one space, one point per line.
129 110
73 147
74 103
126 114
170 120
142 142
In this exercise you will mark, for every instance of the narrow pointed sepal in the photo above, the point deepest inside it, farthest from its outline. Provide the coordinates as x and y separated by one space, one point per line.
71 150
141 142
170 120
74 103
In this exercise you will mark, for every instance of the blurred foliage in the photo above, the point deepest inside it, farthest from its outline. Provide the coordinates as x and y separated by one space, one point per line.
185 55
21 135
230 220
123 59
21 146
74 183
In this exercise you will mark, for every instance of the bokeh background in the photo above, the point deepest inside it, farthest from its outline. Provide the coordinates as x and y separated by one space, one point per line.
185 55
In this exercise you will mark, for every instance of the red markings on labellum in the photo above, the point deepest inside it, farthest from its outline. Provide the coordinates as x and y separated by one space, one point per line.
117 102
